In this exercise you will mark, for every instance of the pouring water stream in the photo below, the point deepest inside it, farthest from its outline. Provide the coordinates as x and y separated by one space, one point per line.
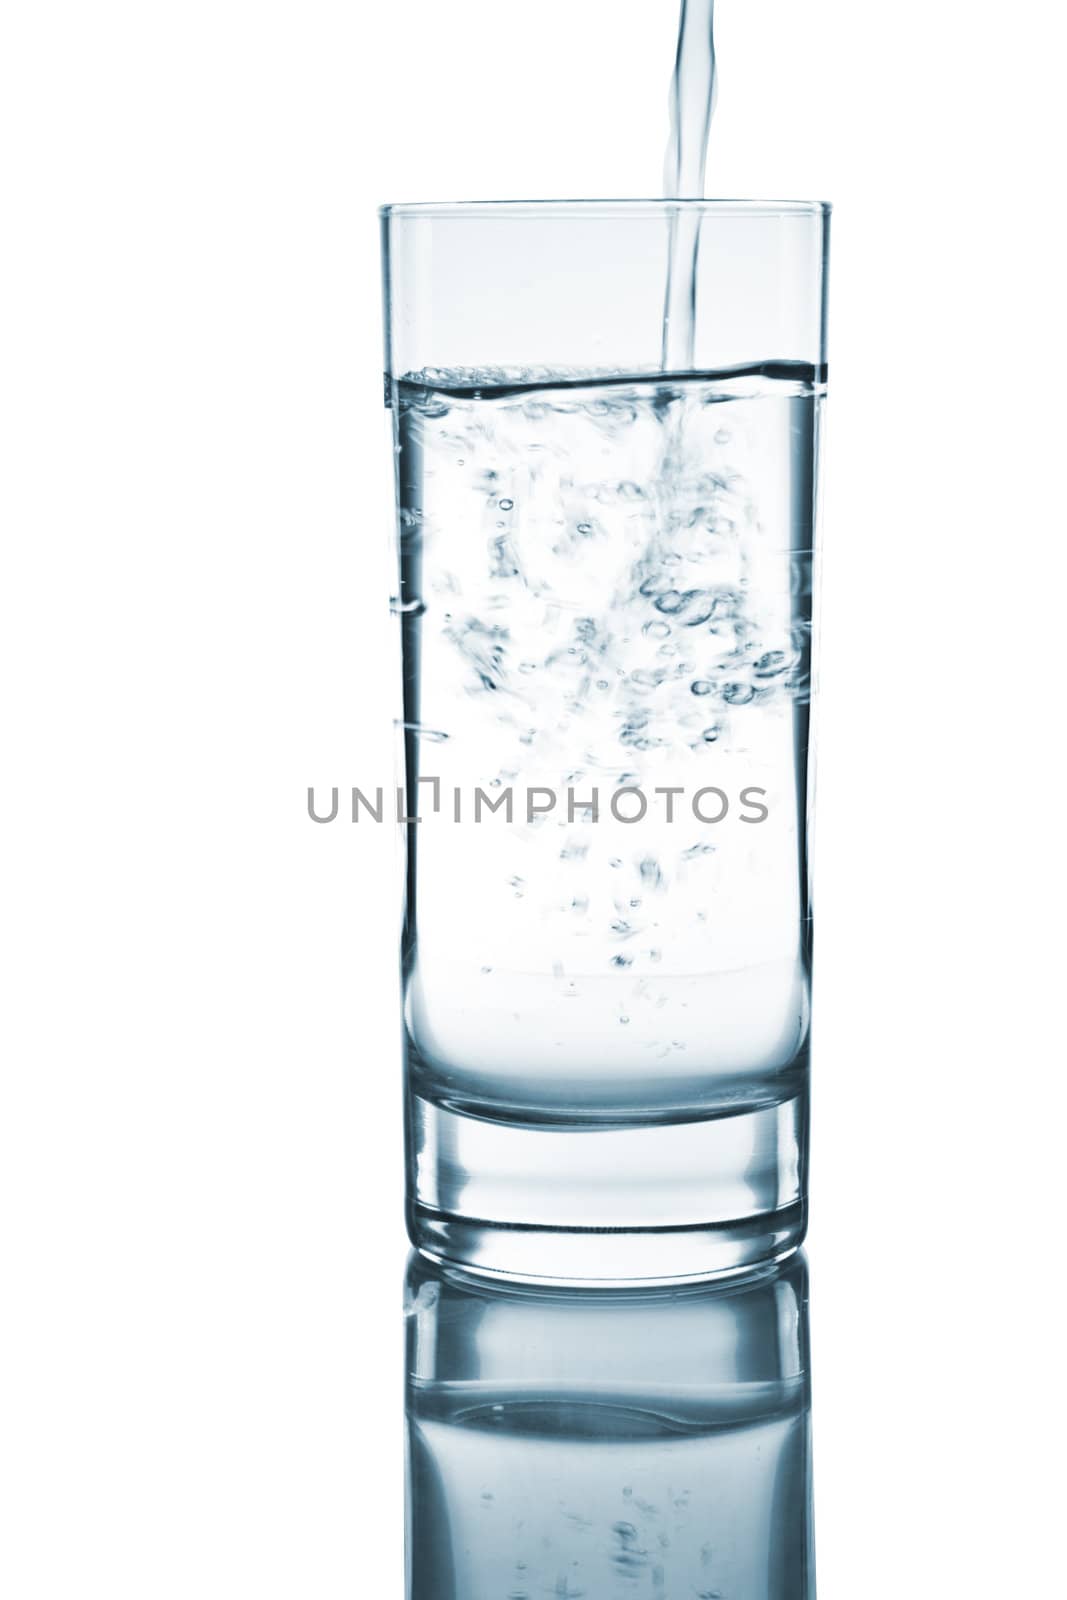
692 105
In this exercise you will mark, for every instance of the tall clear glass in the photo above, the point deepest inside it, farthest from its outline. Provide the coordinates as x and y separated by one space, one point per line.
605 597
606 1443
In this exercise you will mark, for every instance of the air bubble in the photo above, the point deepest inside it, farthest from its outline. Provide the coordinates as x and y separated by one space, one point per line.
701 686
407 608
702 612
507 505
738 694
770 664
431 735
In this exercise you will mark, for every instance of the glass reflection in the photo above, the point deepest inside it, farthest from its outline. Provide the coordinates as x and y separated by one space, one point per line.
613 1445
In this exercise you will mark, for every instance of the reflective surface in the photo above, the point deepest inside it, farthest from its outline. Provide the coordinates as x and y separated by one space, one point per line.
608 1444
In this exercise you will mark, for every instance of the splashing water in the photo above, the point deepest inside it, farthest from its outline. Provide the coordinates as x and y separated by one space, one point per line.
607 587
692 105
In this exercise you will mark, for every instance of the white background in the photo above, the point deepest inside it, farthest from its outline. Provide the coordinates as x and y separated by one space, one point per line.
201 1152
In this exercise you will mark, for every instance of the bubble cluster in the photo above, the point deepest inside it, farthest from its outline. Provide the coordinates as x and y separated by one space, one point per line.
606 588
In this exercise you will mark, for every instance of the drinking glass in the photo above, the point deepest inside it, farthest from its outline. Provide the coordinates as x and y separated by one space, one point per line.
608 1442
605 604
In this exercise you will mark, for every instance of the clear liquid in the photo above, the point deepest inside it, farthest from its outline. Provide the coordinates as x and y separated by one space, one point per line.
692 106
622 1493
606 584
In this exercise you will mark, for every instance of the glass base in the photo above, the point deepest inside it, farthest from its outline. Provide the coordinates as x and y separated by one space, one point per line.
654 1203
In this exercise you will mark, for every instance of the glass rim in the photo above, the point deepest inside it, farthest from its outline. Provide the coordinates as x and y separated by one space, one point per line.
604 208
